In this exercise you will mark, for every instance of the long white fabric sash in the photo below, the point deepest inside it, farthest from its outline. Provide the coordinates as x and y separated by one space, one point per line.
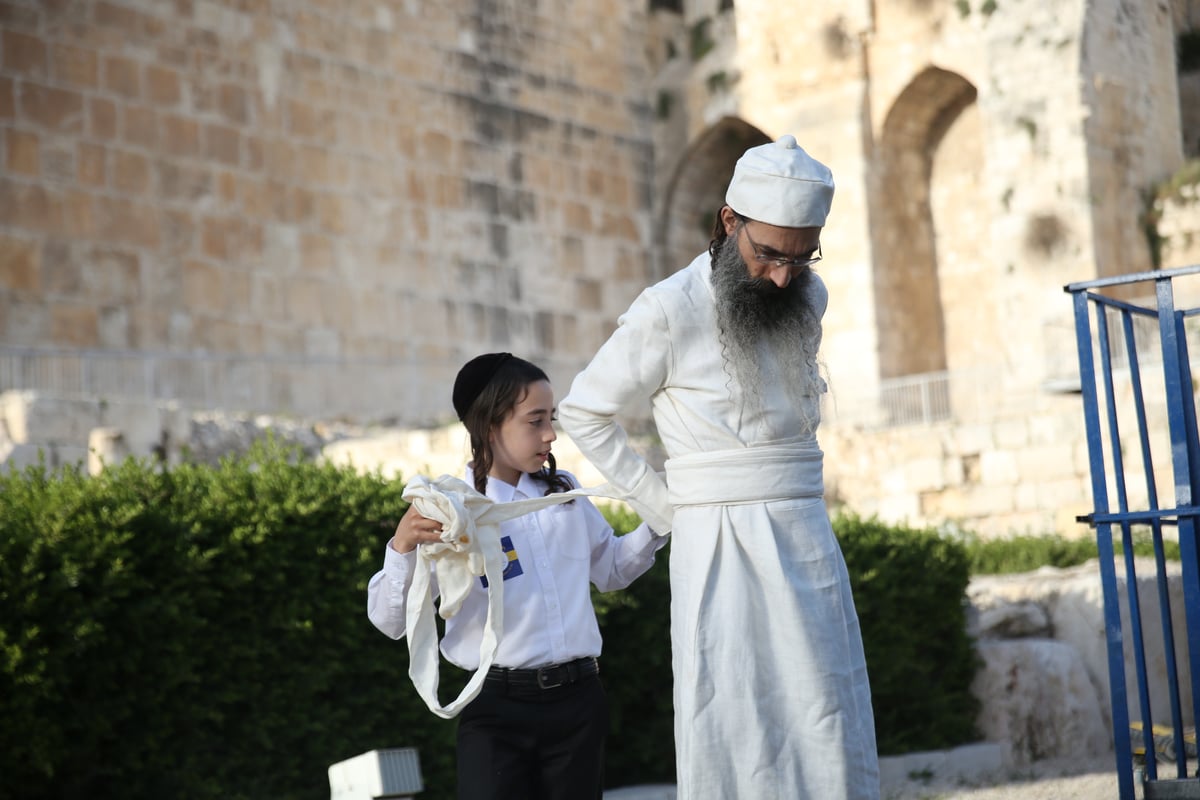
470 547
758 474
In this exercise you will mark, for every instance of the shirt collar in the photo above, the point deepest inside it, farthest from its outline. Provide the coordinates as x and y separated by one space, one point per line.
502 492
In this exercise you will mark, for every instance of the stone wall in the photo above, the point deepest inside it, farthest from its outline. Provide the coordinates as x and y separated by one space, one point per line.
38 429
995 477
400 185
1179 227
1007 463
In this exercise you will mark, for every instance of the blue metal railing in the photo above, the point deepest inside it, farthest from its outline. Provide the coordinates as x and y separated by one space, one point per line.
1106 448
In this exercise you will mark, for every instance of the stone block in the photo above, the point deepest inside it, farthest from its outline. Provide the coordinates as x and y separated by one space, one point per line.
76 66
1037 700
33 418
23 54
91 164
967 764
1073 601
1047 429
57 164
20 456
1026 497
1032 523
131 172
185 183
25 324
79 214
112 276
949 504
20 263
972 438
181 136
163 86
1011 434
138 423
122 76
221 143
65 455
8 101
29 205
925 474
999 468
113 328
76 326
1070 490
1066 519
101 118
653 791
176 431
1045 462
130 223
21 154
202 286
900 509
985 501
106 448
1004 620
322 342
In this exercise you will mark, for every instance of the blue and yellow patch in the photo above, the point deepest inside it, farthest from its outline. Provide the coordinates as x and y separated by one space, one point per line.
513 568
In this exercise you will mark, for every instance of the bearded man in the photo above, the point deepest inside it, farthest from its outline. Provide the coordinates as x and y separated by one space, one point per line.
771 693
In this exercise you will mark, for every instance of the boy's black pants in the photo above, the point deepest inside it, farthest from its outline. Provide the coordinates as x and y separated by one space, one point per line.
527 743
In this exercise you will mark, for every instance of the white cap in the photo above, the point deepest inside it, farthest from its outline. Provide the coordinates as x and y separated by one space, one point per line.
780 184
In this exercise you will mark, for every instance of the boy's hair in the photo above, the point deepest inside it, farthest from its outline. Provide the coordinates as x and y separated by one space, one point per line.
491 407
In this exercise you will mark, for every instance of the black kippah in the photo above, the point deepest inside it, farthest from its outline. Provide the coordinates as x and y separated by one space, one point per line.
474 377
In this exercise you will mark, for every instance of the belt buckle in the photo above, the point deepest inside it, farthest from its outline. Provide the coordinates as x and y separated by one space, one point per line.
541 678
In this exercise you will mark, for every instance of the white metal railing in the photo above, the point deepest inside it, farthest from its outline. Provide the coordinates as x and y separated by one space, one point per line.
924 399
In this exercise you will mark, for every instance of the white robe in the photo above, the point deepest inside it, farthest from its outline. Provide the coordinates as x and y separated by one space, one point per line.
771 693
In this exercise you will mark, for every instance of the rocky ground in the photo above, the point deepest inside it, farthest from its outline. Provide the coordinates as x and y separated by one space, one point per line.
1095 779
1044 780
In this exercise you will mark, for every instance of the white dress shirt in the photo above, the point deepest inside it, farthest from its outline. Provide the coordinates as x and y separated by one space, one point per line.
553 555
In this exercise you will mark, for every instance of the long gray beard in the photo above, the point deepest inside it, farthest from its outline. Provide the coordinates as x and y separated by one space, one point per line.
753 313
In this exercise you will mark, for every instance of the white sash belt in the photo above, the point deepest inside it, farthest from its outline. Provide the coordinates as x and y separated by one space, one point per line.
746 475
470 547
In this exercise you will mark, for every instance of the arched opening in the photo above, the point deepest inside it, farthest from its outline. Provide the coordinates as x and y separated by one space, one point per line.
929 210
697 191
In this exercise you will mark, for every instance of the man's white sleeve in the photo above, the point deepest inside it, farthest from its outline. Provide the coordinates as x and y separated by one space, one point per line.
630 367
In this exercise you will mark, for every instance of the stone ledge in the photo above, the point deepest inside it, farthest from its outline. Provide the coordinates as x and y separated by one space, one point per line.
657 791
968 764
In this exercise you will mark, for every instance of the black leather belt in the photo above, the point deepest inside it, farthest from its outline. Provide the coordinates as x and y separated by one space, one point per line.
550 676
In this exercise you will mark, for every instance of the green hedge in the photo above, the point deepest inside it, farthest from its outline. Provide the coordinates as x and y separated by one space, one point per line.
636 666
1013 554
201 632
909 590
198 633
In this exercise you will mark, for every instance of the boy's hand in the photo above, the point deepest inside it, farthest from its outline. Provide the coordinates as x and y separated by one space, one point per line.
414 530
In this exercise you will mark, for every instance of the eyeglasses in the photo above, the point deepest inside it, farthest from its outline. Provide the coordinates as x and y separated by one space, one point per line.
780 261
